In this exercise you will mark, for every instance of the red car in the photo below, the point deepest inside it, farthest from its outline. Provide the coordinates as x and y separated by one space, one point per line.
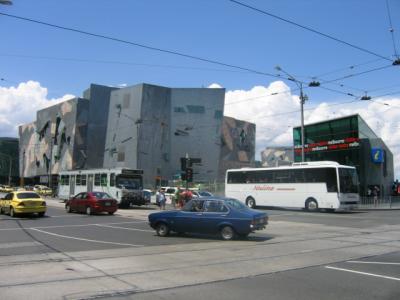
93 202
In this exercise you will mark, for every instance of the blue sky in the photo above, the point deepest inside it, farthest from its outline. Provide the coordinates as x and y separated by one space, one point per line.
41 65
214 29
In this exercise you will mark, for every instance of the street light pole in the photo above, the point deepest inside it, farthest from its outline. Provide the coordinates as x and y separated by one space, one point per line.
303 99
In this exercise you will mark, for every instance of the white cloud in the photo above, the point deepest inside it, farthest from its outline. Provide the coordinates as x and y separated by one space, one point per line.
214 86
274 125
18 105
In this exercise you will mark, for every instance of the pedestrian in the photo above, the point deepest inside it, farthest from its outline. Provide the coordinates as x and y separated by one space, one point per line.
375 193
162 199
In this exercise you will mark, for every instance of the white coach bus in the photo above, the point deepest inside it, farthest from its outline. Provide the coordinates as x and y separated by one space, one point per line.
309 185
125 185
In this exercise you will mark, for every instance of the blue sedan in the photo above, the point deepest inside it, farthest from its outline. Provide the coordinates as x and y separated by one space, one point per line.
226 216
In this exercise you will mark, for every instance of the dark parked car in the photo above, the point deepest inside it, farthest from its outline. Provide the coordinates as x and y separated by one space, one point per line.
226 216
92 202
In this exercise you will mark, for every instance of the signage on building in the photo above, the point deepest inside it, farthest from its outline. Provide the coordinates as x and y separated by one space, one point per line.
341 144
377 155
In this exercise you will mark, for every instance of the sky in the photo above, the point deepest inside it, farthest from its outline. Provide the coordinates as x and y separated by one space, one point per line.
349 49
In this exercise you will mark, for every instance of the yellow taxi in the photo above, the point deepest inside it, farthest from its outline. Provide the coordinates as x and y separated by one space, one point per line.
42 190
22 202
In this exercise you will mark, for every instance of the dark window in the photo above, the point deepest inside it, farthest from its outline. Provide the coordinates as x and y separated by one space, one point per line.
215 206
112 179
179 109
83 180
195 109
218 114
348 180
28 196
78 180
237 177
103 179
97 179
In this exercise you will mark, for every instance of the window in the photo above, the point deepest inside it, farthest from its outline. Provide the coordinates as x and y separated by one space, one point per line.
215 206
195 109
78 180
179 109
97 179
218 114
104 179
64 179
83 180
112 179
237 177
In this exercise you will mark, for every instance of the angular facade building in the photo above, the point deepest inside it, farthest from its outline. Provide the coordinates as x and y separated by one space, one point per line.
238 139
152 127
276 156
349 141
55 141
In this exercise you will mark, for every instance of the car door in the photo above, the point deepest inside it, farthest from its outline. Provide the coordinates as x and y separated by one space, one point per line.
214 213
189 219
73 202
82 202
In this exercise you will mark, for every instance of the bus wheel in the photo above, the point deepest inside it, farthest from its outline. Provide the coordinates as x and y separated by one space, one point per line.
311 205
250 202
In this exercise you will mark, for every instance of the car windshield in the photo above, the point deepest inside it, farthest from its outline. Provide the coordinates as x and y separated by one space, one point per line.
205 194
235 204
129 183
101 195
28 196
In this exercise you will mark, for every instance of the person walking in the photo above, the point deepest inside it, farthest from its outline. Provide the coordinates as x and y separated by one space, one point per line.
375 193
162 199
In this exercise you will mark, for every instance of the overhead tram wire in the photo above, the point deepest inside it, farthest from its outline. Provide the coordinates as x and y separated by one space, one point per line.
391 29
309 29
110 38
146 46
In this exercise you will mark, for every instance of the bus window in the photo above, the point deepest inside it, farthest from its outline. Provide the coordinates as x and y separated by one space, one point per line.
97 179
78 180
237 177
112 179
103 179
83 180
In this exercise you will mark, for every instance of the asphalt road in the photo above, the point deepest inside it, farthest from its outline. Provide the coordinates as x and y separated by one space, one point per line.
371 278
300 255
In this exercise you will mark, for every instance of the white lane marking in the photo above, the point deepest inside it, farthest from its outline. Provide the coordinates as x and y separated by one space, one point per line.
373 262
363 273
19 245
71 225
133 229
82 239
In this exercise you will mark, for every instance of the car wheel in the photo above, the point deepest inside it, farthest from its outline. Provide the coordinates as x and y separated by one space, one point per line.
227 233
88 210
111 212
68 208
41 214
12 212
162 229
311 205
250 202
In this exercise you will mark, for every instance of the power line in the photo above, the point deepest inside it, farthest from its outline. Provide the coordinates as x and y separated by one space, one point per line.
391 29
309 29
140 45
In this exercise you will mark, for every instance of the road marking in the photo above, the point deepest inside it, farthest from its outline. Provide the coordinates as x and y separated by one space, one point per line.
71 225
83 239
19 245
363 273
373 262
134 229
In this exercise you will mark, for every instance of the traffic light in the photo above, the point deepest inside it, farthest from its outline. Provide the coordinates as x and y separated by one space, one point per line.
189 174
183 176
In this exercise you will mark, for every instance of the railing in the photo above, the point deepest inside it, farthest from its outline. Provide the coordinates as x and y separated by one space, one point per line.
382 202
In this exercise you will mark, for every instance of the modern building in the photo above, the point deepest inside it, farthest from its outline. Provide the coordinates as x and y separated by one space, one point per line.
152 127
238 139
349 141
276 156
9 160
55 141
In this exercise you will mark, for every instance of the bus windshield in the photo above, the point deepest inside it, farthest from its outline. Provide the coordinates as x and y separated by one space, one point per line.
130 183
348 180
